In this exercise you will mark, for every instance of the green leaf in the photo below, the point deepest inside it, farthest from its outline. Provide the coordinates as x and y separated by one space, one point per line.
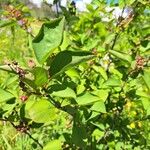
102 94
53 145
113 81
101 71
99 107
80 88
49 38
97 134
87 99
10 81
93 115
122 56
65 41
73 73
61 91
142 93
30 83
67 59
146 104
115 72
40 76
5 95
146 78
41 111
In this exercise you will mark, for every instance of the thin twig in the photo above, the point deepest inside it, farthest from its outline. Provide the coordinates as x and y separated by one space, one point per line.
12 123
35 140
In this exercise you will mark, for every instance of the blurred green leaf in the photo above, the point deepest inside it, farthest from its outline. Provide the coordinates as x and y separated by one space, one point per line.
5 23
73 73
79 135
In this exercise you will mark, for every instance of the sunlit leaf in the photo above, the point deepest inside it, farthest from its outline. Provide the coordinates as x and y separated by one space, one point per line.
87 99
53 145
41 111
61 91
49 38
5 95
99 107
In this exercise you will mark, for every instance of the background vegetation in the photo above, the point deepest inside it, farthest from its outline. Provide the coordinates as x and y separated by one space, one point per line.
79 81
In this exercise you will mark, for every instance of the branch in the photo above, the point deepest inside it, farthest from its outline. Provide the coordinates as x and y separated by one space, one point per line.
35 140
24 130
117 33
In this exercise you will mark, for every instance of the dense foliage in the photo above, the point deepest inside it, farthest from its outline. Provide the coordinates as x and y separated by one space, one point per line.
80 81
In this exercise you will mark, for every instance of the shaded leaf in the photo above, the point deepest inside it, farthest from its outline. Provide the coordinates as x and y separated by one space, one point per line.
40 76
67 59
78 135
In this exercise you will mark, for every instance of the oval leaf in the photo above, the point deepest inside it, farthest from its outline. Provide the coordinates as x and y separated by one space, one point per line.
42 111
40 76
67 59
49 38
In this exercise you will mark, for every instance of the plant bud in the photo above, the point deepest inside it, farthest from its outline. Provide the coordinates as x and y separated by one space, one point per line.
23 98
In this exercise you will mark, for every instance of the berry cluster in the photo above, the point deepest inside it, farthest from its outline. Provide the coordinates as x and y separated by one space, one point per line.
140 62
17 15
22 127
23 98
